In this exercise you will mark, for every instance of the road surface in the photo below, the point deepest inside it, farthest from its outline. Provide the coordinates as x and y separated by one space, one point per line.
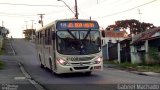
99 80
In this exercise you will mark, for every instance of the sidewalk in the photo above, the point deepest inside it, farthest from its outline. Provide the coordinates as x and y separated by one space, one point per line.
11 77
133 71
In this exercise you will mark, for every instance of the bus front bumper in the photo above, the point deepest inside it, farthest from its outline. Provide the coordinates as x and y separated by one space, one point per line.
80 68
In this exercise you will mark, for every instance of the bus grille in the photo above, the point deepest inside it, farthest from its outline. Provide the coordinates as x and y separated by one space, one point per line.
80 63
79 58
85 58
80 68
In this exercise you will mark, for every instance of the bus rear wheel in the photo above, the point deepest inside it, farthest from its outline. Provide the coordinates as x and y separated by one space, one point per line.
41 65
50 65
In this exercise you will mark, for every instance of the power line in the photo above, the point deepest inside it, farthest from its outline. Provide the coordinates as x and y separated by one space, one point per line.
126 10
16 15
31 5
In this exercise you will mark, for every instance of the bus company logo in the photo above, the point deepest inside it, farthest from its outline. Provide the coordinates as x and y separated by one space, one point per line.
81 63
73 58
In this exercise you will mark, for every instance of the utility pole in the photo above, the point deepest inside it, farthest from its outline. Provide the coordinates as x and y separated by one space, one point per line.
2 23
32 29
41 19
26 25
76 10
32 24
97 1
139 12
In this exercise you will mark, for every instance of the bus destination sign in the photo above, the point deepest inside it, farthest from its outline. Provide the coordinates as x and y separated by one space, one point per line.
77 25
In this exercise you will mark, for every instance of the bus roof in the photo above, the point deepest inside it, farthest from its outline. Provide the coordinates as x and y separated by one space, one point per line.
54 22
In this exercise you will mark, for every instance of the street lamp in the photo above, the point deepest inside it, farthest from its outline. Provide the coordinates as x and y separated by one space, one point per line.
76 11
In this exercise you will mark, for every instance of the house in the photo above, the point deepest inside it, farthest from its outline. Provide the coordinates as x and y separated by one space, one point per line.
113 36
145 47
109 43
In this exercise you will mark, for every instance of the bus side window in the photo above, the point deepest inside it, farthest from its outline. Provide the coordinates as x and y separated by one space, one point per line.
45 37
49 36
53 35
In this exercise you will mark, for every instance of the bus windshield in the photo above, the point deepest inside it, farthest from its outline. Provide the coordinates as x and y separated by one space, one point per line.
82 42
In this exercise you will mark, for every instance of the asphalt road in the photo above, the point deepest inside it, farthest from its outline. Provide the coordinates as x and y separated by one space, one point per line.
11 76
109 78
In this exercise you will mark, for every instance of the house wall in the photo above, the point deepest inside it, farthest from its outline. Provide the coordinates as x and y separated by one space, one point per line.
108 55
140 53
105 52
111 39
135 57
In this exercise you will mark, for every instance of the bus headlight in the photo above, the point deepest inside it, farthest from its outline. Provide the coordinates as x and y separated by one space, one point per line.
98 60
63 62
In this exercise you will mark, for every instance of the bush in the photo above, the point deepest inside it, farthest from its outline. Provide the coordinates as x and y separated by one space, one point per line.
150 68
1 65
153 54
127 64
1 52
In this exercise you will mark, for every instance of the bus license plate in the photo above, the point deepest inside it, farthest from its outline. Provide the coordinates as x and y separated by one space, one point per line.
97 67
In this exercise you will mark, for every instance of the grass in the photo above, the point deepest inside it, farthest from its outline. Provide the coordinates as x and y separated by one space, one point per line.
141 67
110 62
1 52
137 67
1 65
155 68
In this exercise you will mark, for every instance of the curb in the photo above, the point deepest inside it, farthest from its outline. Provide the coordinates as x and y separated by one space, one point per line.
135 72
31 80
146 73
27 76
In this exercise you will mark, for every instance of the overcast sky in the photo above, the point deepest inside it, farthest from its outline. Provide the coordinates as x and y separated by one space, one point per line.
14 13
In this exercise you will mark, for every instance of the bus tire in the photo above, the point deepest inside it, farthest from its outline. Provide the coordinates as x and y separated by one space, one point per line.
41 65
50 65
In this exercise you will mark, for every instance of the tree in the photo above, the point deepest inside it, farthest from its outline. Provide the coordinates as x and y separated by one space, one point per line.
134 26
4 31
28 33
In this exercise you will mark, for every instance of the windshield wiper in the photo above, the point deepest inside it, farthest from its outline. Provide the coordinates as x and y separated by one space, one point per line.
71 34
87 33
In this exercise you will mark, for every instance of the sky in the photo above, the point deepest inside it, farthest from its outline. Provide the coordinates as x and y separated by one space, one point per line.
17 15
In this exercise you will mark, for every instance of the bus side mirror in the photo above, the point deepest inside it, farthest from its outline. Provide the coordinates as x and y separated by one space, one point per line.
103 33
53 36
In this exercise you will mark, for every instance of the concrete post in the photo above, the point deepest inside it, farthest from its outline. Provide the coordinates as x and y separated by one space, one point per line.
147 59
119 55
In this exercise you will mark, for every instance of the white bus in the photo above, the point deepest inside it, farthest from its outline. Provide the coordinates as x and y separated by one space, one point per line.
69 46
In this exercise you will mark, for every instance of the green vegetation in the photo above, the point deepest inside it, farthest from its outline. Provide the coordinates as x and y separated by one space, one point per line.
155 68
153 54
1 65
135 67
1 52
141 67
110 62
